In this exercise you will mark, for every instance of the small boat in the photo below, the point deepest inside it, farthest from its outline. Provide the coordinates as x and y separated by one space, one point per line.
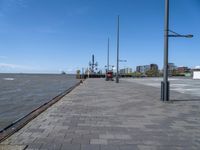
63 72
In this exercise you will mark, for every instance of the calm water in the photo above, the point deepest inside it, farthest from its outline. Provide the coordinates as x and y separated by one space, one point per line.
21 93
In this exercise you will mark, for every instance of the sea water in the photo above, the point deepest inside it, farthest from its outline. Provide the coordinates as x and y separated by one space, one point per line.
22 93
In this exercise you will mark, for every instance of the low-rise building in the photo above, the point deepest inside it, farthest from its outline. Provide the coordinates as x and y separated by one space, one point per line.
125 71
171 68
143 69
196 73
154 67
183 70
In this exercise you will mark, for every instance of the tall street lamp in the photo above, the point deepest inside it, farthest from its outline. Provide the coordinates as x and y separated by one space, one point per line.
83 74
108 65
165 83
108 54
117 74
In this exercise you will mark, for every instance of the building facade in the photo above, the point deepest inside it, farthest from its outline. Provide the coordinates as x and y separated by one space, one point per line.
196 72
154 67
125 71
183 70
143 69
171 68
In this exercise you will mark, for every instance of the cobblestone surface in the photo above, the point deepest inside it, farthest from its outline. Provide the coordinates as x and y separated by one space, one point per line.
100 115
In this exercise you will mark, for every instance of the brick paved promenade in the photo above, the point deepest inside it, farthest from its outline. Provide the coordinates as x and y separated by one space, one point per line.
100 115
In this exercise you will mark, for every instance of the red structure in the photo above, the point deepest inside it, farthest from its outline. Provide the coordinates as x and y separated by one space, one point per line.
109 75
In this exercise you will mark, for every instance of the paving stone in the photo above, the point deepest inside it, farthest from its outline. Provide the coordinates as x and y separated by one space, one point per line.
34 146
90 136
90 147
62 140
12 147
109 147
80 141
115 116
36 130
129 147
51 146
99 141
71 147
43 140
147 147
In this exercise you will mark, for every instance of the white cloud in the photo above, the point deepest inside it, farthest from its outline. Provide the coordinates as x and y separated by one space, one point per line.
15 68
12 66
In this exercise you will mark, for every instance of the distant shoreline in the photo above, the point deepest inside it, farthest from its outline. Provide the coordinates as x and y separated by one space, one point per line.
38 73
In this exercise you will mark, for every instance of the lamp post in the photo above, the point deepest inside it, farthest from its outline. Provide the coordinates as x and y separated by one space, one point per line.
83 74
165 83
117 73
108 54
107 67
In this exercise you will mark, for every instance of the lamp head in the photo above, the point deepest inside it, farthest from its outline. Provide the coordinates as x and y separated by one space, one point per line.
189 36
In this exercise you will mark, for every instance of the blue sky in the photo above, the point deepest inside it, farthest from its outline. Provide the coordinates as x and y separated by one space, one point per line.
48 36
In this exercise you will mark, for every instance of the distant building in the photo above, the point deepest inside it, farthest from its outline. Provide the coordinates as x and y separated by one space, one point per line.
143 69
196 72
183 70
139 69
171 68
154 67
125 71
